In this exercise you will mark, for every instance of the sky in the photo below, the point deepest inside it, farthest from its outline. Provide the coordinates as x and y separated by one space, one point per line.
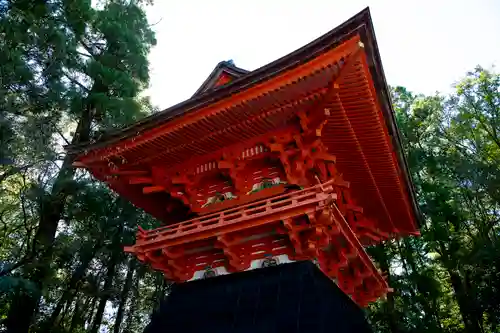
425 45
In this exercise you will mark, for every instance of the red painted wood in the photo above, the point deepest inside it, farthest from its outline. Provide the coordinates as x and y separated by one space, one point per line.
318 122
235 237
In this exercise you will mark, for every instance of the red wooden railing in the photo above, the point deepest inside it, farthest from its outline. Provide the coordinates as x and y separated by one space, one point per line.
247 216
304 225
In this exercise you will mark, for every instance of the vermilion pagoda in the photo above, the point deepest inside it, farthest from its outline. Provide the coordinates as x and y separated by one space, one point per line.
297 160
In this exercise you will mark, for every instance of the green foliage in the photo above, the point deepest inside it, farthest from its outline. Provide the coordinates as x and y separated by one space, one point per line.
445 281
11 284
70 70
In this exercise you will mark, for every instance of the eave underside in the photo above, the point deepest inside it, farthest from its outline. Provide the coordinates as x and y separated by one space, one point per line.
355 132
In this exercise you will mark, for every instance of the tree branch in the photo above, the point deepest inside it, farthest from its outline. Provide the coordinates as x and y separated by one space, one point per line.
13 170
25 216
477 112
89 49
17 265
85 54
77 82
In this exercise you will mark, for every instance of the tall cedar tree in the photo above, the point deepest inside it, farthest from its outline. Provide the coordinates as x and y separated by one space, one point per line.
89 66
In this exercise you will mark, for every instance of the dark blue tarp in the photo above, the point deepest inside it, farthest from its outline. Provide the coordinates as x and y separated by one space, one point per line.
291 298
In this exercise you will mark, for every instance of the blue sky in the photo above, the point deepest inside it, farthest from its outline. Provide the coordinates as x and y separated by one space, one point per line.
425 45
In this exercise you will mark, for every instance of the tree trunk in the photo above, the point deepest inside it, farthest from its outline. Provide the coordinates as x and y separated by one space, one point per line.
108 283
66 309
89 312
24 306
71 291
160 286
124 295
131 318
431 313
392 316
76 320
471 323
465 303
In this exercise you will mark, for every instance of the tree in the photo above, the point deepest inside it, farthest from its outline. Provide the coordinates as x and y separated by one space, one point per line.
451 144
89 64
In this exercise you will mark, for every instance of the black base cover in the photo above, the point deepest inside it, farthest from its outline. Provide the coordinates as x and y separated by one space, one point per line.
291 298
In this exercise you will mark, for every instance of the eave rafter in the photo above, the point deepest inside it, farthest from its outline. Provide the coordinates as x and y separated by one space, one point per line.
299 153
193 119
309 153
367 166
395 173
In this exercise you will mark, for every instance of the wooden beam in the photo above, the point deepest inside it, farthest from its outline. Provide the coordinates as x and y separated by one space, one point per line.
276 147
225 165
140 180
181 180
78 164
128 172
324 156
354 208
153 189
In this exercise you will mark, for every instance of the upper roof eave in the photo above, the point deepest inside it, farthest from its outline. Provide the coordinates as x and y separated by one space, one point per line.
355 25
360 23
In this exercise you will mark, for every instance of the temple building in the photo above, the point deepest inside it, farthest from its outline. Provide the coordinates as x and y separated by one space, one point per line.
299 160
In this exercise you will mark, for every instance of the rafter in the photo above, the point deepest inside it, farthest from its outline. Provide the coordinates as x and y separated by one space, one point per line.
153 189
140 180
